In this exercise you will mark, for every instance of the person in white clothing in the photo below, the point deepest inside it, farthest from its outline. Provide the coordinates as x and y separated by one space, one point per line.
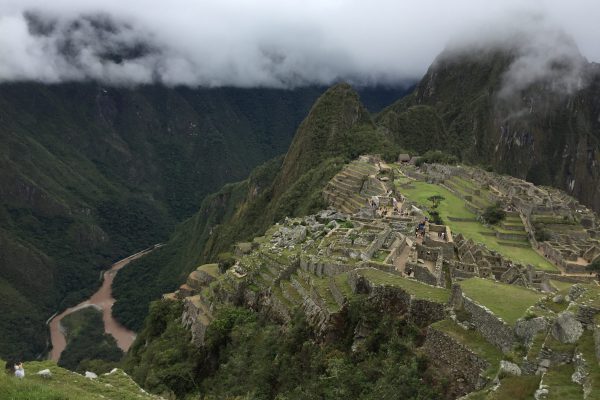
19 370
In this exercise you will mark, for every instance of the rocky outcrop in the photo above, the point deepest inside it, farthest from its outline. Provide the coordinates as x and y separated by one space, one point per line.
526 329
566 329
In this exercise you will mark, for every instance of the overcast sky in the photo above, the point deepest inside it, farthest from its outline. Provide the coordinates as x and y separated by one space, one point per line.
264 42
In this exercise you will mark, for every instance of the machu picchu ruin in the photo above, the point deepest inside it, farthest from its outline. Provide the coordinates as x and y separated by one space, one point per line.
501 304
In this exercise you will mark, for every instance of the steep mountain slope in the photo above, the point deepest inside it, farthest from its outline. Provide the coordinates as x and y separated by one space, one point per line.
89 174
337 129
482 106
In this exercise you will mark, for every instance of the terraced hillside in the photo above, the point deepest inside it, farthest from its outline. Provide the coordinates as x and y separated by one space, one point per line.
350 189
494 325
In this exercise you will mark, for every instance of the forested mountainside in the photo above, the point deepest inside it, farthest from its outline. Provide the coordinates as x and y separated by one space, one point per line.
337 129
90 173
543 132
474 105
352 302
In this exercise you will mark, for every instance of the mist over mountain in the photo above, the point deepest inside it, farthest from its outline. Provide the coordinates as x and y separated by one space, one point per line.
266 43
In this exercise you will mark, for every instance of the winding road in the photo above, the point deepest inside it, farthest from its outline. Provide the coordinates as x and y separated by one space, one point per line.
103 301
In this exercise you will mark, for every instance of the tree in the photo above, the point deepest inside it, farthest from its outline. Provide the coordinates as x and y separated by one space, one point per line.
594 266
494 214
436 199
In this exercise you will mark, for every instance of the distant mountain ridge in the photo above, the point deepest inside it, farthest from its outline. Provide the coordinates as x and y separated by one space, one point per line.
474 105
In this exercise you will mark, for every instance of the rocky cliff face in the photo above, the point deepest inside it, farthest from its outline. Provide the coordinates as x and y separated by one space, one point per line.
482 106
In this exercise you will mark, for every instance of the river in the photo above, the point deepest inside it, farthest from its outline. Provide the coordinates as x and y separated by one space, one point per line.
103 301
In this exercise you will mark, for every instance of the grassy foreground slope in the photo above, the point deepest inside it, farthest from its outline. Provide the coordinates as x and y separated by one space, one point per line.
67 385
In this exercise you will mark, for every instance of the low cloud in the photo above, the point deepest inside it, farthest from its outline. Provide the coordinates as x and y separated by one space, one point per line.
282 43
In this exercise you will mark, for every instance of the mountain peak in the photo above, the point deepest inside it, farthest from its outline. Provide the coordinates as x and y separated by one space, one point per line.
330 124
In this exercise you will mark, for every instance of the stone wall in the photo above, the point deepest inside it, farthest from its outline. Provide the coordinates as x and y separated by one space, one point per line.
422 273
491 327
323 268
340 299
394 299
193 319
464 367
423 312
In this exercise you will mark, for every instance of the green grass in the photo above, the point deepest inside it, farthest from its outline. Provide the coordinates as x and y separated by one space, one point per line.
586 346
67 385
341 281
417 289
454 206
322 287
509 302
474 341
516 388
561 387
592 296
211 269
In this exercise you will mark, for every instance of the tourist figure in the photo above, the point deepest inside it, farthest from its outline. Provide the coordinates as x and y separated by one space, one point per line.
19 370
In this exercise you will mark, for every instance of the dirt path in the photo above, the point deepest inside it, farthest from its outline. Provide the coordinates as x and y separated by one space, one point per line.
101 300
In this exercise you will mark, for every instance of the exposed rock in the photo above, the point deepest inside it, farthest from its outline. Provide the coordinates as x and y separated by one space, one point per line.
541 393
576 291
581 371
566 328
45 373
527 329
558 299
509 368
90 375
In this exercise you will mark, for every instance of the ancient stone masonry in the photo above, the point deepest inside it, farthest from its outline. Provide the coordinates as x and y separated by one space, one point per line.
463 366
565 232
375 245
490 326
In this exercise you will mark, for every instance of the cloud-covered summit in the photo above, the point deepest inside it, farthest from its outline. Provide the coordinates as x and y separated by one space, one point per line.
265 42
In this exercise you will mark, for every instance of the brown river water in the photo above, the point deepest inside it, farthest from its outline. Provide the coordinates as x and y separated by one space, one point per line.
103 301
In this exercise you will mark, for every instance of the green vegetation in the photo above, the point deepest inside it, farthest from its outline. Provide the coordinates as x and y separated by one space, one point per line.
163 359
474 341
561 385
436 200
417 289
563 287
586 346
337 130
93 174
438 157
595 266
67 385
87 344
454 207
508 302
248 357
494 214
513 388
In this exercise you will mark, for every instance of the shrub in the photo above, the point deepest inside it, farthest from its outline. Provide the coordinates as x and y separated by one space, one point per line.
494 214
435 218
436 156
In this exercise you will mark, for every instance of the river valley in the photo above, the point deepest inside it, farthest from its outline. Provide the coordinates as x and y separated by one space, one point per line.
103 301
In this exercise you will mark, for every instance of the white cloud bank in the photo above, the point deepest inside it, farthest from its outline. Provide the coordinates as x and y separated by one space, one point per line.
277 43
